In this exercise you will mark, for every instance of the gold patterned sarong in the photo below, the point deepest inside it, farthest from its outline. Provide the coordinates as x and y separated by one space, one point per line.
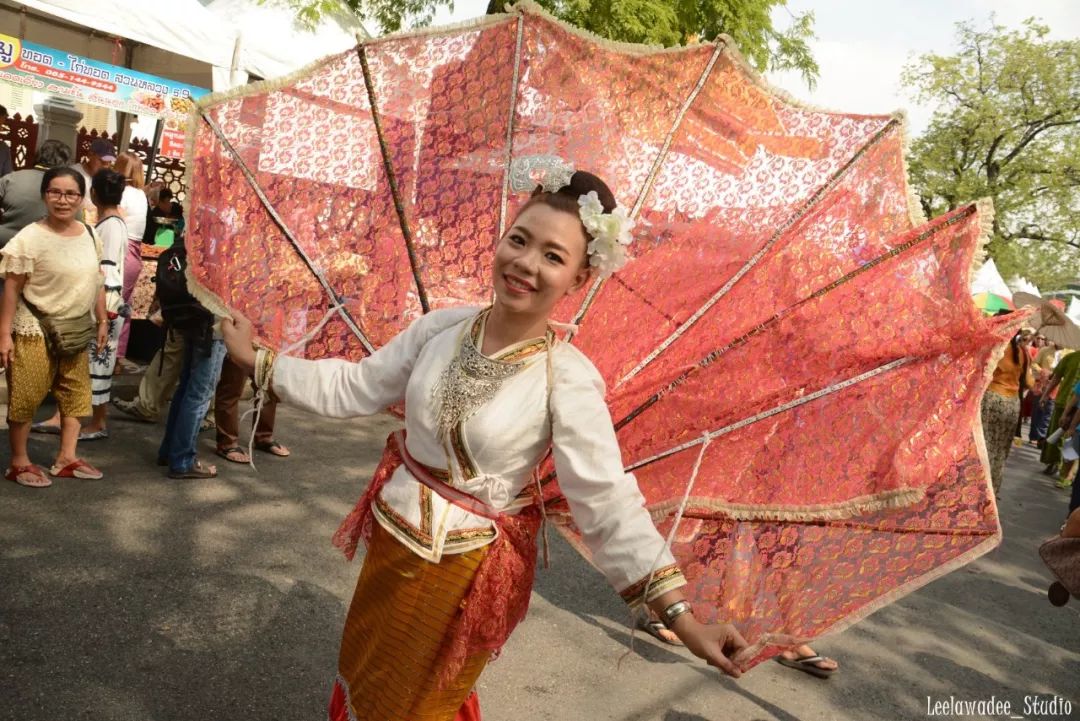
400 615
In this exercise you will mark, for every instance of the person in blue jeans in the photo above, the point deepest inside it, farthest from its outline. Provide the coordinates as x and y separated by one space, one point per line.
198 380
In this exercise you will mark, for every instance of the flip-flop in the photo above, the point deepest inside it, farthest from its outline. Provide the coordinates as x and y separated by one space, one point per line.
95 435
227 454
273 448
198 471
807 664
18 475
653 628
43 427
77 469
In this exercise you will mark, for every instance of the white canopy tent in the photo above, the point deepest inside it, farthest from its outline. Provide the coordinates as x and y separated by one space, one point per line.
208 43
181 28
1018 284
989 280
273 43
1073 311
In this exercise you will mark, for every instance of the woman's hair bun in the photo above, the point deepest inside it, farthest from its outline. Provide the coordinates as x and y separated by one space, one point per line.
582 183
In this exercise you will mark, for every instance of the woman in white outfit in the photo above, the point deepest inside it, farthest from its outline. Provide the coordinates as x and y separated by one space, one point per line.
451 516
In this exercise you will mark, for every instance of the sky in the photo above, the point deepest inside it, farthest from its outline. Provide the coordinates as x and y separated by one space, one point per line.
862 45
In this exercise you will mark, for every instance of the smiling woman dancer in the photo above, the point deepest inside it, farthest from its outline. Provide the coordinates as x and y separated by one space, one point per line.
451 552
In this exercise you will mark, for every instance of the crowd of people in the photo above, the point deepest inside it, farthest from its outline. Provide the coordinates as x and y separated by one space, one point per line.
71 250
1037 380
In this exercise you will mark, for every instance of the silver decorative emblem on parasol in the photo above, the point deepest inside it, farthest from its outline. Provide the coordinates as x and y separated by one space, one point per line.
549 171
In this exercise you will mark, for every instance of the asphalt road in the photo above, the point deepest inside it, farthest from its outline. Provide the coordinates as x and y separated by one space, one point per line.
143 599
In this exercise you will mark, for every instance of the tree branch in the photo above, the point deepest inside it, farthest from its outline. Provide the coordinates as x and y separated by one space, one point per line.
1033 232
1034 132
992 167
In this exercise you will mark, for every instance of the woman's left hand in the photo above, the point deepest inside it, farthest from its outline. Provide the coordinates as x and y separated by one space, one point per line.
716 643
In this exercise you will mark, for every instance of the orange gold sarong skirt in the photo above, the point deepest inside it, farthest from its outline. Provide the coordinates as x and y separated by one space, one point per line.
401 612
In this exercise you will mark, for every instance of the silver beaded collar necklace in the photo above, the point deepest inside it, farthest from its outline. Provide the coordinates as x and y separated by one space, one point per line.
472 379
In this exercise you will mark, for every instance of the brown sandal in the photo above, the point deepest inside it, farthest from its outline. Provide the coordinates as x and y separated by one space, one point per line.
274 448
236 454
197 471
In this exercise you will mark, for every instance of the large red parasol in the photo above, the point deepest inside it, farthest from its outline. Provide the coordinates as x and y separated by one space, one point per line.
790 322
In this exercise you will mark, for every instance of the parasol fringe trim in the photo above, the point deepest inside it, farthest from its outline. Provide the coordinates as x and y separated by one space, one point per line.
984 208
477 23
207 298
914 205
887 500
528 7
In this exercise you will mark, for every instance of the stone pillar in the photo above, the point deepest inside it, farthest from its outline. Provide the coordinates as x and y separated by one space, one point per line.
59 119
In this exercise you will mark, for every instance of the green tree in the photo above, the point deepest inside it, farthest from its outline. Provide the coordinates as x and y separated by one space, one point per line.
658 22
386 15
678 22
1007 126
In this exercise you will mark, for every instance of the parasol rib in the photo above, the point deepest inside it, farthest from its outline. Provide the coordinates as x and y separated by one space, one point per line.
254 183
756 258
646 188
510 123
391 180
712 435
661 156
743 339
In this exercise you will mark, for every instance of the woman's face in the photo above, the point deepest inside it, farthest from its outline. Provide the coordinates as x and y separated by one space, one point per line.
62 198
540 260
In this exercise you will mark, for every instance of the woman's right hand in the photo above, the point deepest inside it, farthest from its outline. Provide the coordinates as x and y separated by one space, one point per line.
716 643
7 350
239 337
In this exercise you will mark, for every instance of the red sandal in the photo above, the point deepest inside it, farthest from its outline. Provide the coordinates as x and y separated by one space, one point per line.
77 469
38 478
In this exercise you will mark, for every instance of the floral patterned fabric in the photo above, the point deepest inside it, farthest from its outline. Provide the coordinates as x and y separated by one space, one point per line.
784 295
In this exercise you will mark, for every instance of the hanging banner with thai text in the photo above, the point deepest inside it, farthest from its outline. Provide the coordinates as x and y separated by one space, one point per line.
96 83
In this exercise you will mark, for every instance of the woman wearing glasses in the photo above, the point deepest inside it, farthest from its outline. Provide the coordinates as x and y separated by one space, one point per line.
53 264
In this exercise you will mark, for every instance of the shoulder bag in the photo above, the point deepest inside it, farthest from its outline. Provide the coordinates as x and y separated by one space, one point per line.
66 337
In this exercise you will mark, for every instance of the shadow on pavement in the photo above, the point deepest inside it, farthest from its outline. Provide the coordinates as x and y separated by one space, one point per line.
153 600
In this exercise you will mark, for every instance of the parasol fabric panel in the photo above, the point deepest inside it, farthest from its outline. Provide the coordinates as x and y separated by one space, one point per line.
787 302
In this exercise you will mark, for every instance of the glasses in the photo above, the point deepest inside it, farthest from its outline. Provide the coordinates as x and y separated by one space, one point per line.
71 195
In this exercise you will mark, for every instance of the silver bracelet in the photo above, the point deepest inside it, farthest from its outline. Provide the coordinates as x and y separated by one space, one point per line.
675 610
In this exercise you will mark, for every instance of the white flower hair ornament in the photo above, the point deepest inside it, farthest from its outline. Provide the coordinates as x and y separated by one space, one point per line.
611 234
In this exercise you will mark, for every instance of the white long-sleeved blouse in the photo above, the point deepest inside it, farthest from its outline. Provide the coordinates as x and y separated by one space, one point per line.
492 453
